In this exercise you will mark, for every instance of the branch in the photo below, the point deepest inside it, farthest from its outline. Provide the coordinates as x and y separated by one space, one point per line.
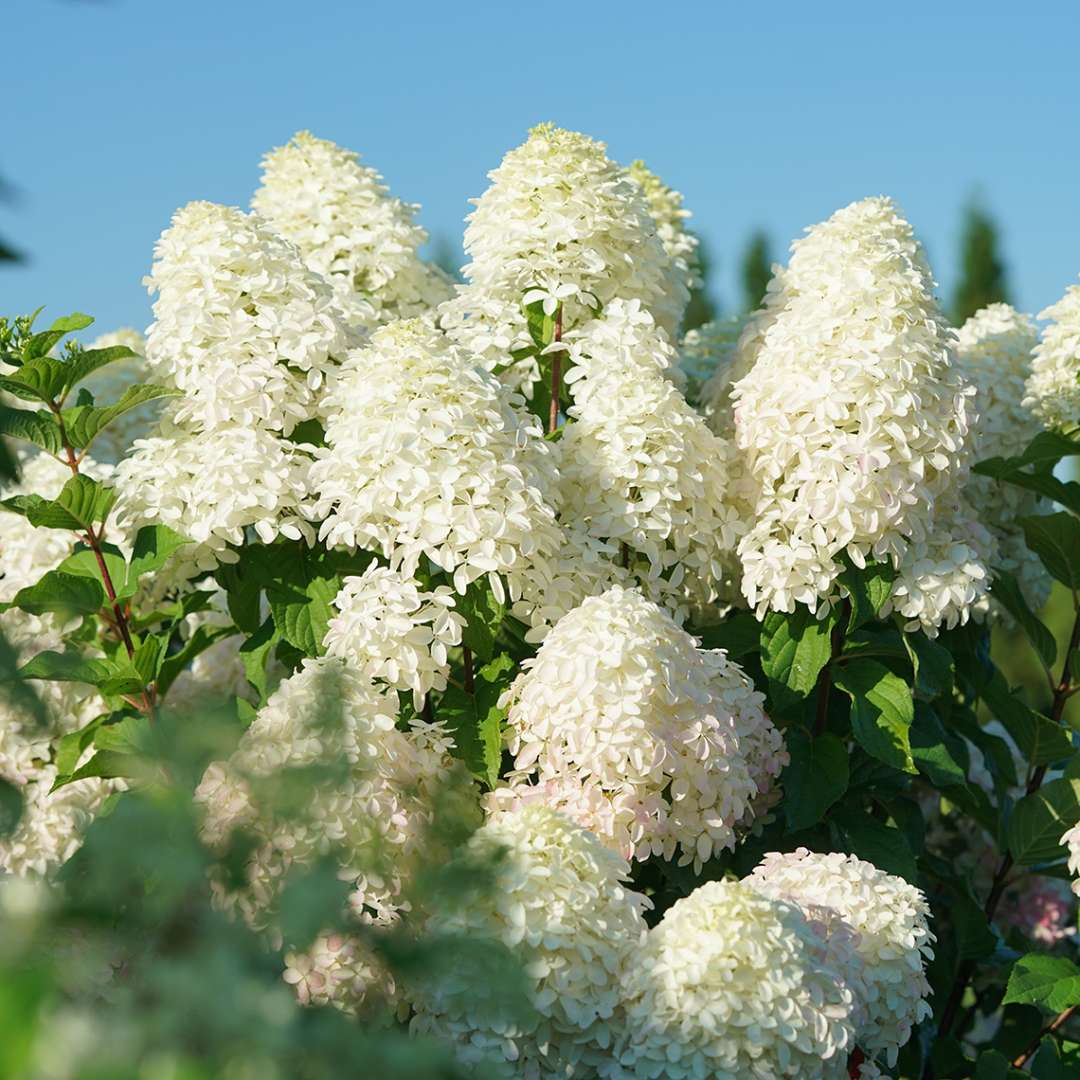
556 376
1062 1018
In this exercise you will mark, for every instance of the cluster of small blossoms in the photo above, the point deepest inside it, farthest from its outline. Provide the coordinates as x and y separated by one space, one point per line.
249 336
639 467
429 456
892 939
560 904
734 983
389 629
1071 842
1053 389
853 417
564 224
994 351
707 359
350 230
667 211
372 802
659 746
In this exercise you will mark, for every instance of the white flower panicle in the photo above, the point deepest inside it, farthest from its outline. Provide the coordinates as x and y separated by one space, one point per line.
350 230
730 984
559 901
428 456
213 485
854 416
995 350
889 919
639 467
620 706
372 806
564 224
667 211
241 326
1053 388
391 630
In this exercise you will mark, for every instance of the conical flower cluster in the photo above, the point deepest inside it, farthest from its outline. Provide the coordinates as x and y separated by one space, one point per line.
640 469
558 224
350 230
854 415
249 336
1053 390
731 983
429 456
560 904
892 939
659 746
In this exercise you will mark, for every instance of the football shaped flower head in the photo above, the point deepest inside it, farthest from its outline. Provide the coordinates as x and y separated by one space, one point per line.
350 230
854 415
560 904
622 703
892 938
241 326
731 983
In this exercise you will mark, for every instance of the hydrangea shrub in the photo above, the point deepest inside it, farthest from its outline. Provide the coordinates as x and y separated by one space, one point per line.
503 623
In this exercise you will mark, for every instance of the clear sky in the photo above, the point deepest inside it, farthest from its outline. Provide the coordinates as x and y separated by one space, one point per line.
116 112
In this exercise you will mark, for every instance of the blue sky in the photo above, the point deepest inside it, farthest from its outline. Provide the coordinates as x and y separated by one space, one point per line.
116 112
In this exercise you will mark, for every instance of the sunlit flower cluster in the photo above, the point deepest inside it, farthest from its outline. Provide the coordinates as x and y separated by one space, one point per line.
560 904
854 415
329 731
389 629
1053 389
350 230
564 225
620 707
1071 842
889 919
640 469
429 456
734 983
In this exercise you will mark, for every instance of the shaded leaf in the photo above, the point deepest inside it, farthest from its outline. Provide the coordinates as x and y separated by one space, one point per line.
881 711
816 777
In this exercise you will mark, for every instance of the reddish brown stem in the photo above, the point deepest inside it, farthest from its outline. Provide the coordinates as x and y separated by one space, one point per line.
1061 1019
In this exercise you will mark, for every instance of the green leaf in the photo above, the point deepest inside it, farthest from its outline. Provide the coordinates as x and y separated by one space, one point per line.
66 667
41 343
975 939
737 635
1051 983
243 585
476 720
38 428
147 658
82 502
11 807
57 591
794 649
932 664
256 651
85 422
151 550
994 1065
815 778
71 747
1047 1063
1055 538
201 639
39 380
87 361
1040 740
541 326
483 616
938 755
1034 469
107 764
881 711
868 589
883 845
1007 592
1040 819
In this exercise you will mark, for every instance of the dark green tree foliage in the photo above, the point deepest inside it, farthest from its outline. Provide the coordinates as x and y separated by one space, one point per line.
702 307
755 269
983 275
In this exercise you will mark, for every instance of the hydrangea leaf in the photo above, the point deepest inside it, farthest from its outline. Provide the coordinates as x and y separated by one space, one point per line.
794 649
1055 538
882 711
38 428
84 422
815 778
1052 983
1039 820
